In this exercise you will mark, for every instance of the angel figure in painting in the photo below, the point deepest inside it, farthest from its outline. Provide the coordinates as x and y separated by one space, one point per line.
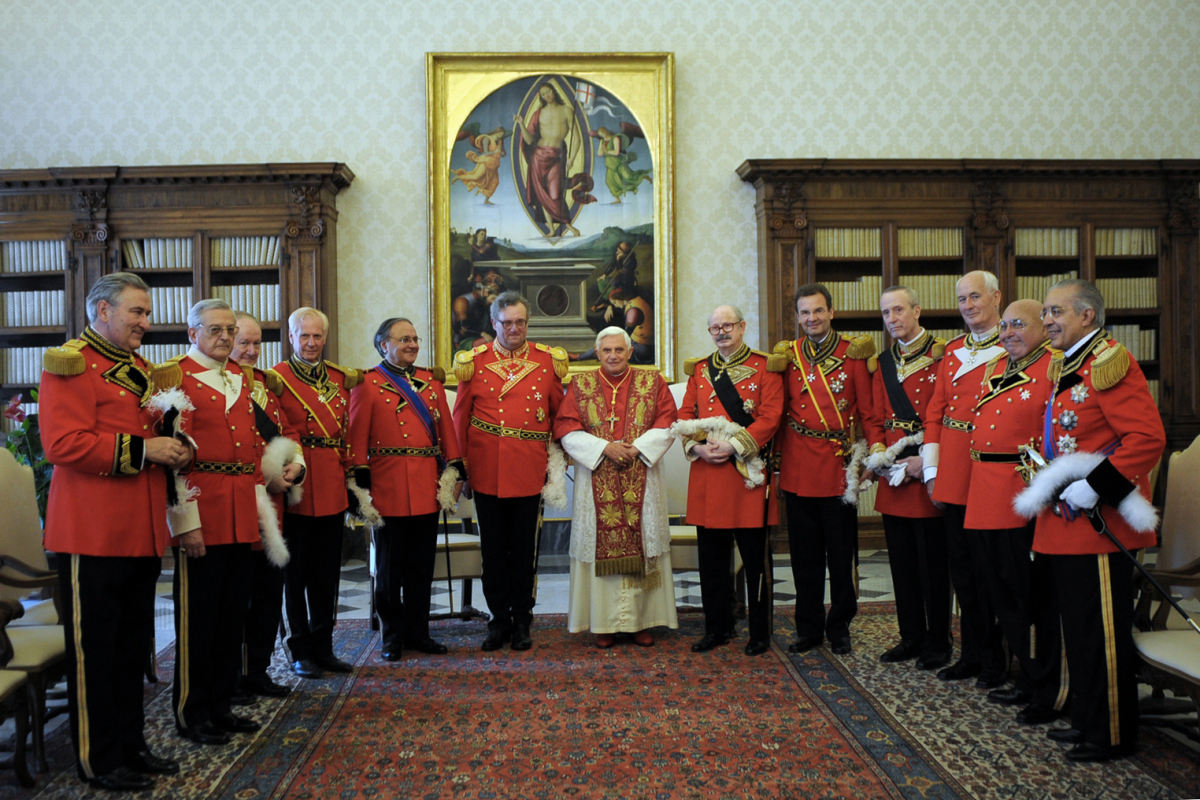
619 176
484 178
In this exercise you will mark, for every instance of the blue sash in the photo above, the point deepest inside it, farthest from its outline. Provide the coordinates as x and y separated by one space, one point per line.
418 404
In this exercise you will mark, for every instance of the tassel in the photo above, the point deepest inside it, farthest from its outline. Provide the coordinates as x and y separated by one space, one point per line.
268 528
854 472
445 493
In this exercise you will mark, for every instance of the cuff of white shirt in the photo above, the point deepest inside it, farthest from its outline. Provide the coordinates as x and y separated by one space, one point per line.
183 519
929 455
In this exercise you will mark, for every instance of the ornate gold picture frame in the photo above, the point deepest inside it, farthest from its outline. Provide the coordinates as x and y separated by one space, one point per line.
553 174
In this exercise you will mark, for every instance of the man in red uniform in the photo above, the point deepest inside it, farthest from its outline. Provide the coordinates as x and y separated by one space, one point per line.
828 392
947 459
404 449
905 377
283 470
508 394
1008 418
99 434
1103 436
315 397
212 533
730 413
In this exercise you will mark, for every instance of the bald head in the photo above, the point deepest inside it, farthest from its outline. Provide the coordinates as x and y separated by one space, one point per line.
1022 328
727 327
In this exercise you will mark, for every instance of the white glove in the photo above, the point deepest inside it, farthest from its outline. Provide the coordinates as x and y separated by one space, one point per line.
898 473
1080 495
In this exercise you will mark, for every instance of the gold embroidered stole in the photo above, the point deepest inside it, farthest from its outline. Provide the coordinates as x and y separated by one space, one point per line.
618 493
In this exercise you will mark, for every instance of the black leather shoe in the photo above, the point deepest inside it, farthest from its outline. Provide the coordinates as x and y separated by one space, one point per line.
205 734
121 779
932 659
1037 715
840 646
495 640
805 643
1087 752
1065 735
756 647
958 671
333 664
520 637
242 697
990 680
710 641
905 651
431 646
234 724
147 762
1012 696
264 686
391 654
306 668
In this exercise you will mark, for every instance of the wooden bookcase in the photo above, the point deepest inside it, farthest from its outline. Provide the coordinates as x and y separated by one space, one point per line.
262 235
1131 226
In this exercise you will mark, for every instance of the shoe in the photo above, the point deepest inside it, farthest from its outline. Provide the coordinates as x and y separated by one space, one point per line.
520 637
1012 696
1065 735
1037 715
391 654
146 762
495 640
840 646
1088 752
121 779
333 664
756 647
932 659
605 640
711 640
205 734
264 686
643 639
958 671
307 668
242 697
805 643
234 724
905 651
990 680
431 646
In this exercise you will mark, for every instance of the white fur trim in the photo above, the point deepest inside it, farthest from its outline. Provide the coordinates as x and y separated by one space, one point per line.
854 472
176 398
1049 483
723 429
881 462
554 493
366 509
268 527
162 402
295 494
1138 512
280 452
445 493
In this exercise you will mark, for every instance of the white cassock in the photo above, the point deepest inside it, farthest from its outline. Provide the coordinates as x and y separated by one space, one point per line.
620 603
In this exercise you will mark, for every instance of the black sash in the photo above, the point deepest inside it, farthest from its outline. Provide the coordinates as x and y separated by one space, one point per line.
266 425
902 407
733 403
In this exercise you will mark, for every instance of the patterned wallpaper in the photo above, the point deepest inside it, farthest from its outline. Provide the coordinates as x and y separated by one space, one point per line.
125 82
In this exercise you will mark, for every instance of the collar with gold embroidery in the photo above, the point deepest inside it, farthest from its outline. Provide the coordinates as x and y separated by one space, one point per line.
520 352
974 346
1075 361
125 372
316 376
816 353
739 357
915 349
1021 364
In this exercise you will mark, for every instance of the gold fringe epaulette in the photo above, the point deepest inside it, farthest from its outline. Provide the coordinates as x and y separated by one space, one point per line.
1110 366
938 349
438 373
689 365
861 347
66 360
562 362
777 363
1054 368
353 376
168 374
872 364
248 374
274 382
782 348
464 362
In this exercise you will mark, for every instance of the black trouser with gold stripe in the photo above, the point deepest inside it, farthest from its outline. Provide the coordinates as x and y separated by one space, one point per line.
979 634
108 621
210 594
404 553
1095 597
311 582
920 578
263 614
713 552
821 529
508 544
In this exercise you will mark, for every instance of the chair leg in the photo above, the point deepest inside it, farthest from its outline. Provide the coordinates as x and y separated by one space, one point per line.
19 762
37 699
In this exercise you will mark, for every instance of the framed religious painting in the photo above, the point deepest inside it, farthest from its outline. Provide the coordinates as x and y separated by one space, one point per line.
552 175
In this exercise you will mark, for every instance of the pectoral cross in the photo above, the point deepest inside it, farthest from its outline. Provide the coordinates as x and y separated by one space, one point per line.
612 419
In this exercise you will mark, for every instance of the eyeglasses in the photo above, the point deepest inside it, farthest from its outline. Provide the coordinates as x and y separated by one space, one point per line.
406 339
1015 325
723 328
217 330
509 324
1053 312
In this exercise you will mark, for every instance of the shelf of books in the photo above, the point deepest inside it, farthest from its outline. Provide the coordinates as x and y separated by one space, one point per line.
33 314
848 262
931 263
1127 264
245 273
1044 256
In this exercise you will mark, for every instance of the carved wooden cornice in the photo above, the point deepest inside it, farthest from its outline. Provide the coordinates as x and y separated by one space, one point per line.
89 234
1183 206
990 219
787 196
91 202
305 201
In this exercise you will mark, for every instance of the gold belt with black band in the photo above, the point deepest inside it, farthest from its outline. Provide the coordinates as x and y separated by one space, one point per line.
375 452
515 433
833 436
223 467
903 425
320 441
996 458
958 425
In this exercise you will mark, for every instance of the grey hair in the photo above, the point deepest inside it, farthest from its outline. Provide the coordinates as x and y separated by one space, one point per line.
737 312
109 289
506 299
385 330
613 330
911 296
238 316
990 281
196 312
307 312
1086 296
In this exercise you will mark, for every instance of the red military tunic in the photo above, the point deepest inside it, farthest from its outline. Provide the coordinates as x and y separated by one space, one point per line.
105 500
918 379
1101 401
387 435
717 493
505 409
318 406
266 399
1008 415
226 466
828 391
951 408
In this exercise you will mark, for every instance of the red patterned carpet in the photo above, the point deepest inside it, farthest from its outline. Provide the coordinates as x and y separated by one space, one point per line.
567 719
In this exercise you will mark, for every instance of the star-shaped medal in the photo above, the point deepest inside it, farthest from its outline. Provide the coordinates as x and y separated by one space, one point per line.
838 384
1025 394
748 406
753 387
932 377
1079 393
1066 444
811 377
537 395
1068 420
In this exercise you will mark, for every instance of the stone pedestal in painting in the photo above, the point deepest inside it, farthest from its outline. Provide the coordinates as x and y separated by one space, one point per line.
557 292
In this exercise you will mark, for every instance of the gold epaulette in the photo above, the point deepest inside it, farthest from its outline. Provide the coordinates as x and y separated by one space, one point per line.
248 373
782 348
464 362
1054 369
65 360
274 382
860 347
872 364
777 363
353 376
1110 366
938 349
562 363
168 374
438 373
689 365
